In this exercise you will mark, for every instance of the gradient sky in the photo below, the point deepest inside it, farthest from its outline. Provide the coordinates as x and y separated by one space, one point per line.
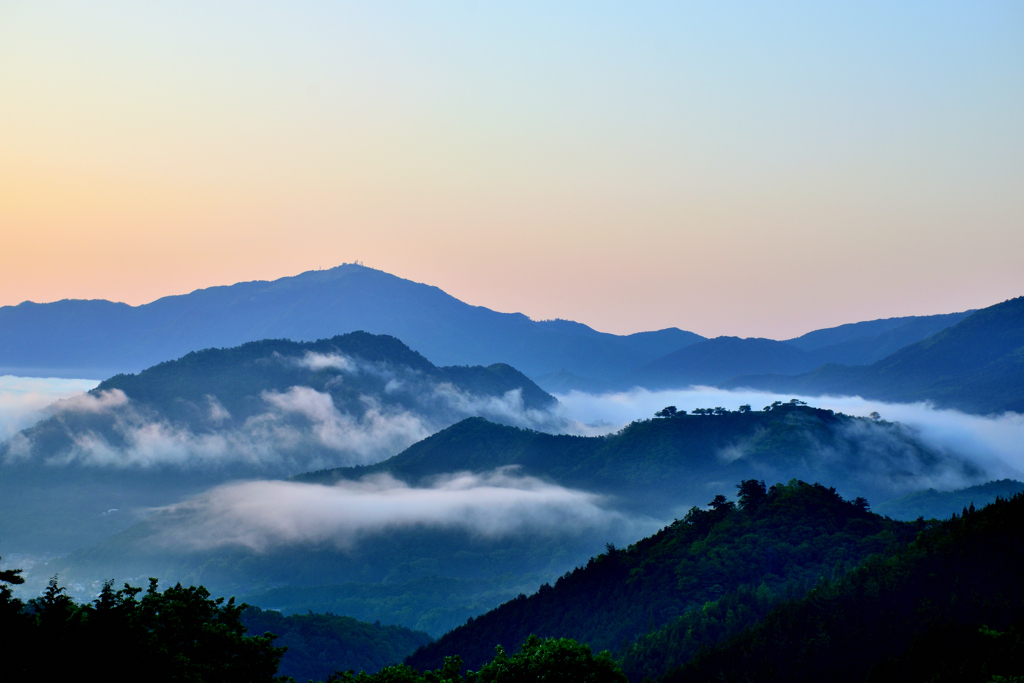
758 169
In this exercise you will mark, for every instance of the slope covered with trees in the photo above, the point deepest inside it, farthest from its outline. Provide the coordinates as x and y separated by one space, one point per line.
949 607
775 543
179 634
672 460
320 644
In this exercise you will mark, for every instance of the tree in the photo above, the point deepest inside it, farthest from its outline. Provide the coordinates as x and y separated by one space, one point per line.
552 660
745 408
180 634
720 503
667 411
752 493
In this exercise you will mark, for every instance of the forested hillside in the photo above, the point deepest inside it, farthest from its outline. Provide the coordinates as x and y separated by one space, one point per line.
741 559
320 644
178 634
673 459
950 607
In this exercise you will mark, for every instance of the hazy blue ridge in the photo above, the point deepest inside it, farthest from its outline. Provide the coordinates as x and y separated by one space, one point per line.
98 338
913 328
715 360
73 338
932 504
976 365
432 604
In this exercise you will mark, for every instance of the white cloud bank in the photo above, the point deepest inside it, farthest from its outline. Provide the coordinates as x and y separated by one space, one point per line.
302 429
260 515
23 399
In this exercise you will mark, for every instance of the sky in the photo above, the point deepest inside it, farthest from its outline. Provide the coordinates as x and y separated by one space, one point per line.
752 169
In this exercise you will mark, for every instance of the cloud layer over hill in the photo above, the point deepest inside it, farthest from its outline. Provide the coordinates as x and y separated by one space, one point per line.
994 443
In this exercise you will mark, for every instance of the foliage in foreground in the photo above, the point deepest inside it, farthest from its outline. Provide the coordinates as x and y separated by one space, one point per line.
949 607
320 644
551 660
180 634
740 560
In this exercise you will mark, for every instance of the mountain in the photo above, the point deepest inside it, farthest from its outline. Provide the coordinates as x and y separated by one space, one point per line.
673 461
716 360
73 338
481 501
267 408
777 543
976 365
947 608
872 340
932 504
99 338
429 603
320 644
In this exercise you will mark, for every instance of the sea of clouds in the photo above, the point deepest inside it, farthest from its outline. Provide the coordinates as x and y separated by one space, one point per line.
268 513
299 429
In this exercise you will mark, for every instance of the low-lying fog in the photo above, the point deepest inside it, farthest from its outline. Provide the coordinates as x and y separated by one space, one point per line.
23 399
258 514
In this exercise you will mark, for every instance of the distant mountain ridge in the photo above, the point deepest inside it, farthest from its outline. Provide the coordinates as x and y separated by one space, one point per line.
976 365
101 338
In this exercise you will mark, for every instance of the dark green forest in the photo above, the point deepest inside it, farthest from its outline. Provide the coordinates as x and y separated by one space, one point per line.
672 458
317 645
183 635
131 634
776 543
948 607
